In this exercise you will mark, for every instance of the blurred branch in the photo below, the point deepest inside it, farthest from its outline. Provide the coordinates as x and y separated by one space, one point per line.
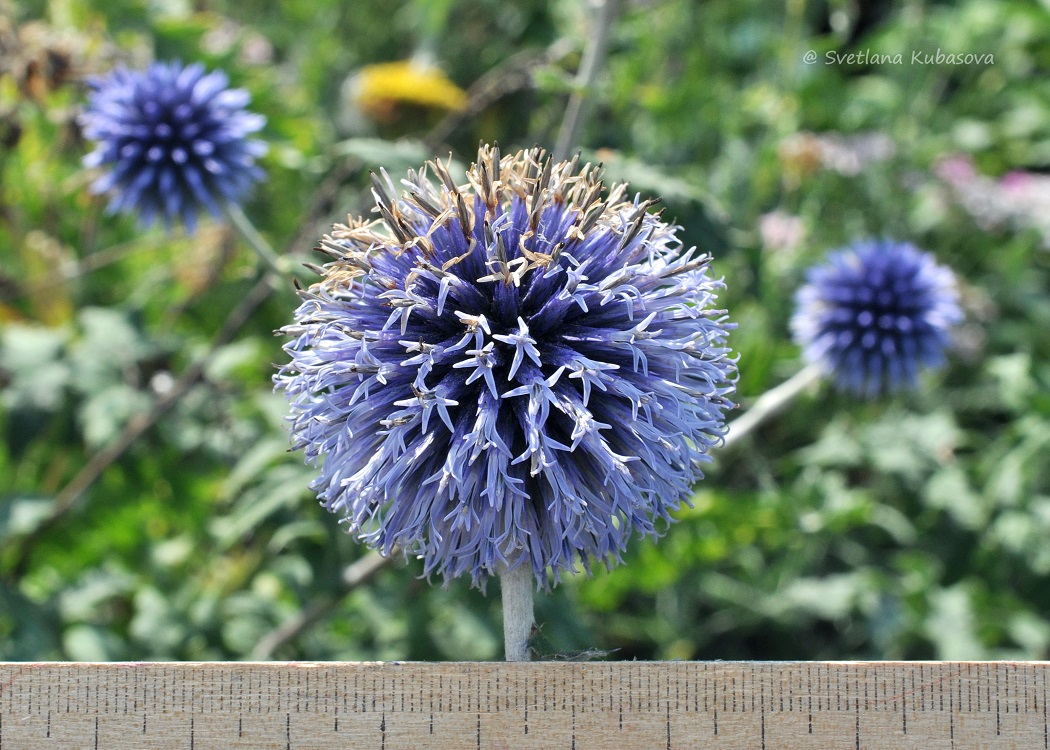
209 276
276 263
593 59
513 75
356 574
274 278
770 403
71 494
322 204
95 261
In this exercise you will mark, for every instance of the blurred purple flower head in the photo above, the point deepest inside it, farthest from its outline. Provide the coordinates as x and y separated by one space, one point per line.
514 371
172 140
874 314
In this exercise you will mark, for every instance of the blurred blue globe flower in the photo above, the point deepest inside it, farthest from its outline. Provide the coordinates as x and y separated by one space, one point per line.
173 140
509 372
873 314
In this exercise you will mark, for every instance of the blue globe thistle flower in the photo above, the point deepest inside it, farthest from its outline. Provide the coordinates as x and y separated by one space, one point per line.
173 139
874 314
510 372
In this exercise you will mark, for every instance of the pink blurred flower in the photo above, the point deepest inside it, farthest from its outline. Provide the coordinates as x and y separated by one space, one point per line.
781 231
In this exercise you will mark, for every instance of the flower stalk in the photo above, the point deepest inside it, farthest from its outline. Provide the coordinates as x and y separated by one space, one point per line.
771 402
593 58
255 241
518 618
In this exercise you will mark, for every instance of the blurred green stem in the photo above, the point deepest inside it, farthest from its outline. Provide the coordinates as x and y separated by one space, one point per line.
770 403
593 59
70 495
274 278
256 241
358 573
518 618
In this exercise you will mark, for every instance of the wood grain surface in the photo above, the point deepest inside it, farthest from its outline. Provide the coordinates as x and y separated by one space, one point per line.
620 705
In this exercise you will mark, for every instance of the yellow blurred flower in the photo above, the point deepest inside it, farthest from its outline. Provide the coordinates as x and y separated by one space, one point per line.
380 88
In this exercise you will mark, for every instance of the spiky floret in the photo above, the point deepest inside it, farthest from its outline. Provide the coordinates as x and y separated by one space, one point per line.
514 371
173 141
875 313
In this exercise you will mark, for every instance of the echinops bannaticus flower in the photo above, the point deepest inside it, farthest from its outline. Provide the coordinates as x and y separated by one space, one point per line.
173 140
514 371
875 313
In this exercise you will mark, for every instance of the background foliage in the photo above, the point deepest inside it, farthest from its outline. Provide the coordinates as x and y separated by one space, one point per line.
910 527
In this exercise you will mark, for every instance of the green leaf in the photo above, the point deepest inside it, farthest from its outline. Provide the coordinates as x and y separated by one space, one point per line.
952 625
33 357
20 516
395 156
106 411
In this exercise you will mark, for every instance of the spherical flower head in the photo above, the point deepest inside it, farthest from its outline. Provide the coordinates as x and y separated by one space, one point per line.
514 371
172 140
874 314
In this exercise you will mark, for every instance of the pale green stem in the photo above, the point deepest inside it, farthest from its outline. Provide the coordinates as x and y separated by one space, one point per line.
771 402
516 588
590 65
256 241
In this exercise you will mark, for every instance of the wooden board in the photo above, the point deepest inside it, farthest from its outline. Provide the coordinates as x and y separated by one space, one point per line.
575 706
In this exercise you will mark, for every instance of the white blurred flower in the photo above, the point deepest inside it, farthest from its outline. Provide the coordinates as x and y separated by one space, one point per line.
781 232
1019 201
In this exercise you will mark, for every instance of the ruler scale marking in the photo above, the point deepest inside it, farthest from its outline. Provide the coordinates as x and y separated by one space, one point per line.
714 703
1010 687
762 716
998 700
988 688
904 703
951 719
969 688
636 704
1018 692
856 724
922 688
